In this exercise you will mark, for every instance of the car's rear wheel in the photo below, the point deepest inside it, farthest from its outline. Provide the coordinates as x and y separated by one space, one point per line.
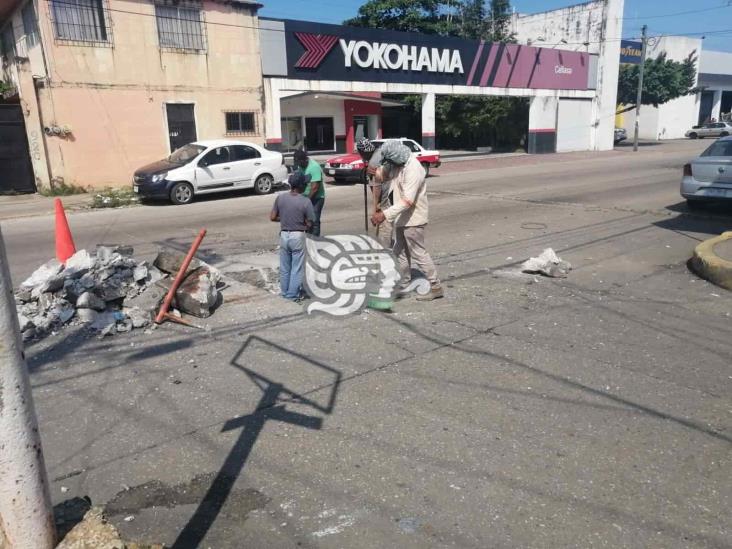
724 134
693 135
264 184
426 166
181 193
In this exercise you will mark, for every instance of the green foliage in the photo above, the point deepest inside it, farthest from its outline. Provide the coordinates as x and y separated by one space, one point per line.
62 189
5 86
663 80
462 121
114 198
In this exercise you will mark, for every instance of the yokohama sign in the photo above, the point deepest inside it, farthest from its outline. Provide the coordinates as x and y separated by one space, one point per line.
329 52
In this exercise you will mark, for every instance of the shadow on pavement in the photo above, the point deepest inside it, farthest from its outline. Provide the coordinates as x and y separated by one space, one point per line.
271 406
709 218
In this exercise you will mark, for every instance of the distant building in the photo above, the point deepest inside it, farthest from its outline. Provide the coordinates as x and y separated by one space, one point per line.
104 86
715 85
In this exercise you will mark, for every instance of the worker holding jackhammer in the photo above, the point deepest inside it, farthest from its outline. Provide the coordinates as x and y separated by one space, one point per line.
380 188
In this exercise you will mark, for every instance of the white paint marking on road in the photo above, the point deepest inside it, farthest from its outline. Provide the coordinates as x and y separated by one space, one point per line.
345 521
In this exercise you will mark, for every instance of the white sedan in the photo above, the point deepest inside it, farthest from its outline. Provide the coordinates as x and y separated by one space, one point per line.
207 167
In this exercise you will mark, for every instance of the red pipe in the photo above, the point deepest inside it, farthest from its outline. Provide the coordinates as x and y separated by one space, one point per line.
179 278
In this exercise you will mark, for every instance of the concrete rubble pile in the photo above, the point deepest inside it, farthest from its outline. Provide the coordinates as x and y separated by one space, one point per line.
110 292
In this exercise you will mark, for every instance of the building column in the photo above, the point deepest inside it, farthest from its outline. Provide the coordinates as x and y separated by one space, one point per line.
602 136
717 105
272 116
543 125
428 121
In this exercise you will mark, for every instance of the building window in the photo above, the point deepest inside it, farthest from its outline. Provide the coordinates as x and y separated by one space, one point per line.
7 44
241 123
30 25
180 28
84 21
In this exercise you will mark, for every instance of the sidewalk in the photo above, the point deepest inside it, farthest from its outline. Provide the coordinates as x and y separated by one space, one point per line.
31 205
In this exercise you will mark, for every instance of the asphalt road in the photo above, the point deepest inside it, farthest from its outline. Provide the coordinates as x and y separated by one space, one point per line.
517 412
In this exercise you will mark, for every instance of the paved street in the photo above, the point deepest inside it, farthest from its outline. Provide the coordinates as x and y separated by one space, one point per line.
593 411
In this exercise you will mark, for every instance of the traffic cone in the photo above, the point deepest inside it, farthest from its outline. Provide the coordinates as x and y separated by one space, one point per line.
64 241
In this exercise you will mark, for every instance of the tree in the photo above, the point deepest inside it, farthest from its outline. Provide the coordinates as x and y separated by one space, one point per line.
663 81
463 121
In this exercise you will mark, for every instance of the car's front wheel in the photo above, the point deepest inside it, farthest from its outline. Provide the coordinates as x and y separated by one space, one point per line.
181 193
264 184
694 204
426 167
693 135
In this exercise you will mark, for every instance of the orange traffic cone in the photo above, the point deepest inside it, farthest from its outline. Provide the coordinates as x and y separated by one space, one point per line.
64 241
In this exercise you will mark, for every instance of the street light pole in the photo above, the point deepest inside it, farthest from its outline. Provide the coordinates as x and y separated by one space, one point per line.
26 518
641 72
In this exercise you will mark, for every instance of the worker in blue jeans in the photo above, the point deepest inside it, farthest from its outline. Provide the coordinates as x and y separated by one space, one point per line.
296 215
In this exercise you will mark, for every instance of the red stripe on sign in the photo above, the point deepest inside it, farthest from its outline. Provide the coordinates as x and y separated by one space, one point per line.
428 134
489 64
272 141
543 130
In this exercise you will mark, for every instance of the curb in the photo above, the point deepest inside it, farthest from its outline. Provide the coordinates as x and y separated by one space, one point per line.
709 265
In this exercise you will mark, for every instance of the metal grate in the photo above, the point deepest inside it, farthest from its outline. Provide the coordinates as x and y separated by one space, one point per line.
82 22
181 28
241 123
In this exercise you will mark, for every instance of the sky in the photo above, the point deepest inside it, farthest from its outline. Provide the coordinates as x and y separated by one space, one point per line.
661 16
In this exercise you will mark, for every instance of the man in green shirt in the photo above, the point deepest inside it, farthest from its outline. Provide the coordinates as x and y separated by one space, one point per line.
315 190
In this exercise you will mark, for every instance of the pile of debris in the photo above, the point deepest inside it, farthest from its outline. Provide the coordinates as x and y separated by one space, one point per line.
110 292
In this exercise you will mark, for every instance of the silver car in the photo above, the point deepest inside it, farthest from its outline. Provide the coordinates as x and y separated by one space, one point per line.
713 129
709 177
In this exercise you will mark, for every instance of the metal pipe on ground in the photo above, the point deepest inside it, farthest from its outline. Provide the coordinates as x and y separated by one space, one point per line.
163 313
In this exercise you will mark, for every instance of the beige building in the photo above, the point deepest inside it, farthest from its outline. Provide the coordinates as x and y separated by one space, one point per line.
105 86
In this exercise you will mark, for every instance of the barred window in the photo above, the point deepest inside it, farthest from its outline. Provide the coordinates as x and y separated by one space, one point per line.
30 25
80 20
7 43
180 28
241 122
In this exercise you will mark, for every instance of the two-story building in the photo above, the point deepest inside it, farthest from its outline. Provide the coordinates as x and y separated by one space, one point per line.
99 87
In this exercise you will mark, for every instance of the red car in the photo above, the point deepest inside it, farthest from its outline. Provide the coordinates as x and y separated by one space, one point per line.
350 167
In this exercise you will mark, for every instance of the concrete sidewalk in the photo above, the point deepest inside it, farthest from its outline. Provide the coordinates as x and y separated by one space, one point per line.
31 205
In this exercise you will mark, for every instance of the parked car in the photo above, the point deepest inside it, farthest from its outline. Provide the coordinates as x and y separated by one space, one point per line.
709 177
350 167
620 135
207 167
713 129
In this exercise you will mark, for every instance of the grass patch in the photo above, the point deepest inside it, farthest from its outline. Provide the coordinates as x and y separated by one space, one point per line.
62 189
114 198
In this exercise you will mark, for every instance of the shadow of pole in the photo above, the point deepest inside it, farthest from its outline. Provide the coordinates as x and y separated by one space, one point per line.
251 427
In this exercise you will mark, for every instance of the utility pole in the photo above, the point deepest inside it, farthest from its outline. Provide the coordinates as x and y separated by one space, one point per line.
26 517
642 70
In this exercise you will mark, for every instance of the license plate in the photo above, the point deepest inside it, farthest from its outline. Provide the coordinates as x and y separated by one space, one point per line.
331 172
716 192
136 188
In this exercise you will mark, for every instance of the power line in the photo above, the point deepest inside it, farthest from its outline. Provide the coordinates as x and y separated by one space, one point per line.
688 12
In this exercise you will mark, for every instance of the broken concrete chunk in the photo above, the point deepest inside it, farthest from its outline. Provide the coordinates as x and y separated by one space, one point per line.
149 299
87 316
88 300
548 264
140 273
170 262
24 294
79 264
62 312
43 273
197 295
104 321
25 322
124 326
139 318
112 290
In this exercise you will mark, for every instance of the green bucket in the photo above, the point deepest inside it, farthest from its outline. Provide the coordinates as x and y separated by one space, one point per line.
380 303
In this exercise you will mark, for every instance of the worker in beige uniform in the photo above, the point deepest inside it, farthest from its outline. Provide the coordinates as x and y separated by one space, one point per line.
379 188
408 214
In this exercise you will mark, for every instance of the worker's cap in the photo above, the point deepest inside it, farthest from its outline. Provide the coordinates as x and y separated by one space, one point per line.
364 145
299 180
394 152
300 155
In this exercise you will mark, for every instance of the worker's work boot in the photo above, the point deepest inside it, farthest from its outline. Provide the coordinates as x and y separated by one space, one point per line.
435 292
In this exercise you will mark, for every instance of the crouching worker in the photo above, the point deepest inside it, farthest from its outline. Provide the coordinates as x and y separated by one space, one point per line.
408 214
296 215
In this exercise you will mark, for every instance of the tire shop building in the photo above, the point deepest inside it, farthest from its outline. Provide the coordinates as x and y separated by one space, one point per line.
323 84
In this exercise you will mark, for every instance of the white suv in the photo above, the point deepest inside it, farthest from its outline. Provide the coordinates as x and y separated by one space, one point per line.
208 167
